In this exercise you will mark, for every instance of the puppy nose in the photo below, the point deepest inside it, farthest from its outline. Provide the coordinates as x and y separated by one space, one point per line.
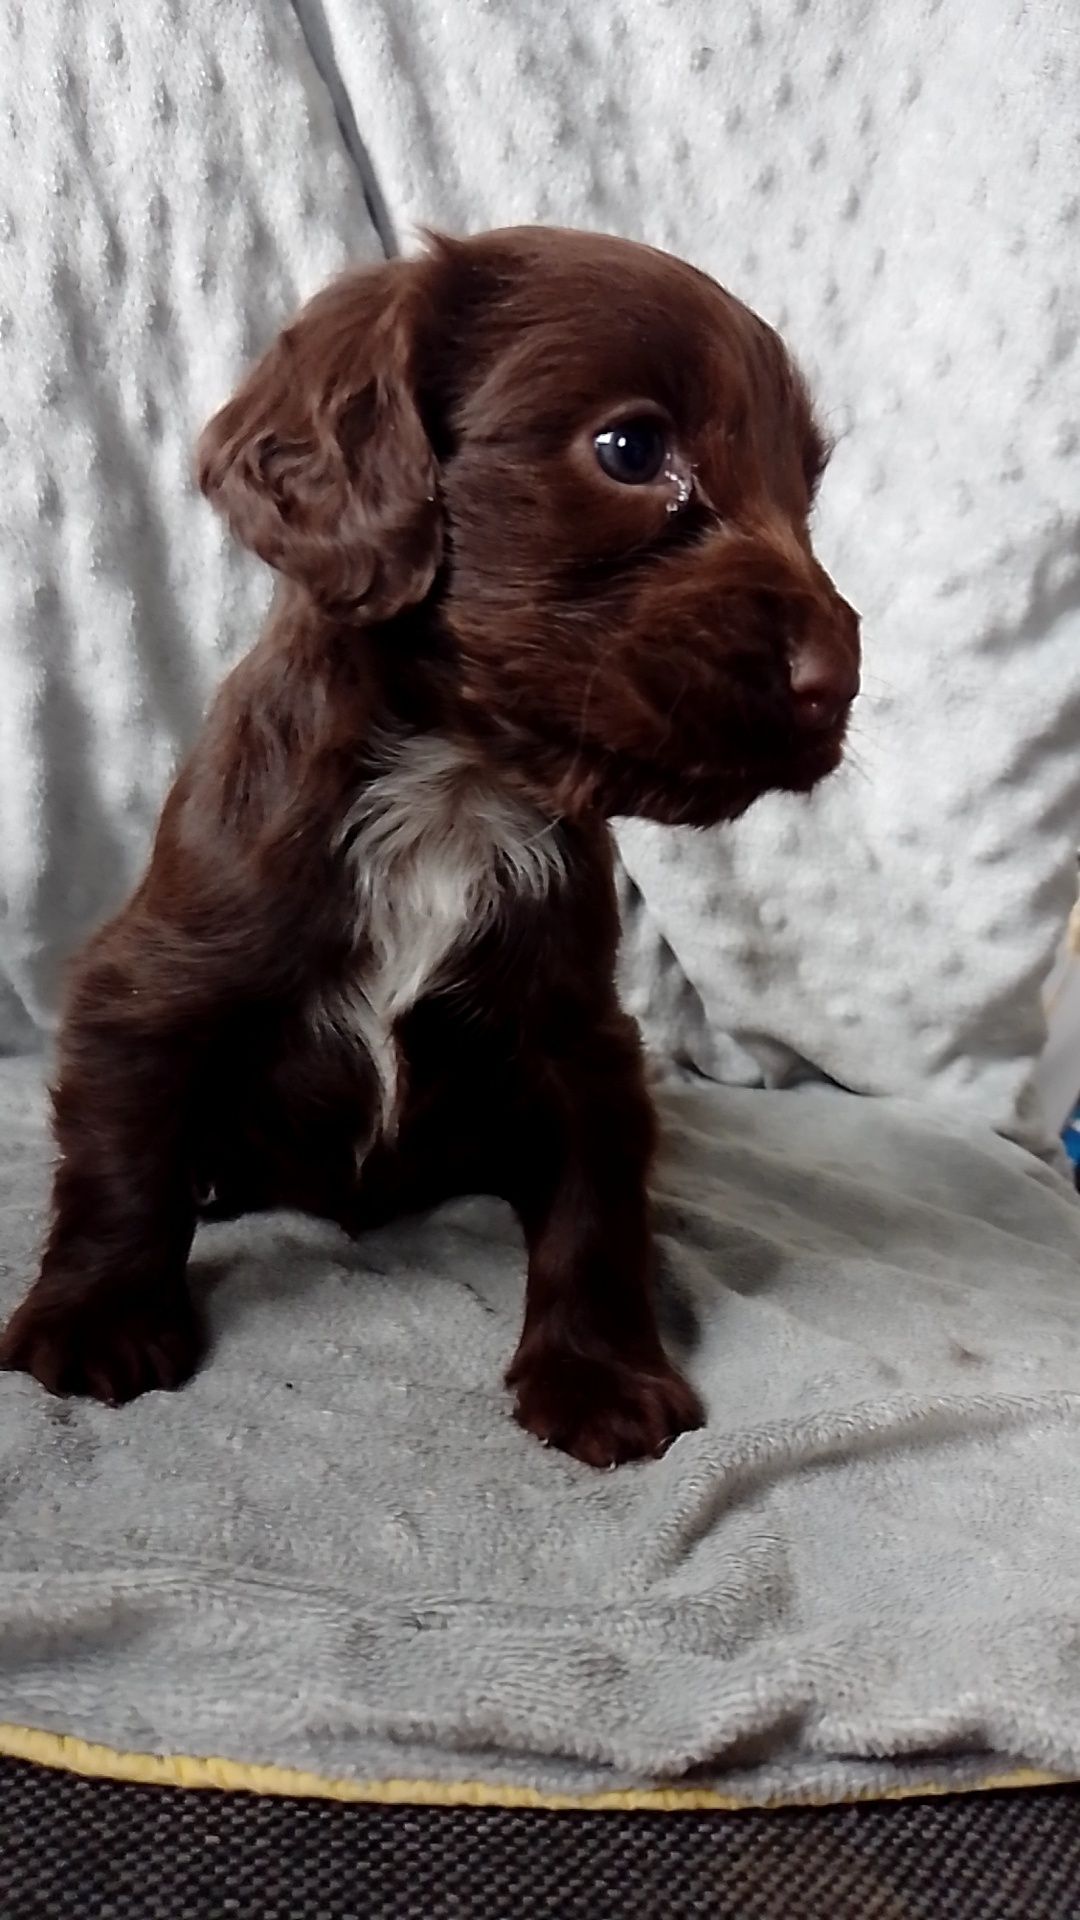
823 681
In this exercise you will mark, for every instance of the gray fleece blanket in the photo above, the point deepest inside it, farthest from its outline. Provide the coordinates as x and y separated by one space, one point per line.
335 1552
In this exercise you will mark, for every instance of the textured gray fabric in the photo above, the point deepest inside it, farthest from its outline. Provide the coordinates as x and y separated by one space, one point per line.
173 183
335 1551
895 188
175 177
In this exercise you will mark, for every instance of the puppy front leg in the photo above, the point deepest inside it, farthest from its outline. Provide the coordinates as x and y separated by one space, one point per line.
590 1374
110 1314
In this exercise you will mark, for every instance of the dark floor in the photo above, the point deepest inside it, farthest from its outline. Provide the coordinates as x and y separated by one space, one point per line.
93 1850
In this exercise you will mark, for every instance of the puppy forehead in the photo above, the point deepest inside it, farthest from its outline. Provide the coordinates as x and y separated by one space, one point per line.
580 320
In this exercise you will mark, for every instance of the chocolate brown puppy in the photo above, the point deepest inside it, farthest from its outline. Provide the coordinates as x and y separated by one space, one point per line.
539 503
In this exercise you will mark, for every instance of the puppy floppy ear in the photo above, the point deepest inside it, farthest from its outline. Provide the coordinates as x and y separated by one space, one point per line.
321 463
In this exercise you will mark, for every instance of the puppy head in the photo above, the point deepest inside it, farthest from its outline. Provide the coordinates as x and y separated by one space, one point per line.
604 467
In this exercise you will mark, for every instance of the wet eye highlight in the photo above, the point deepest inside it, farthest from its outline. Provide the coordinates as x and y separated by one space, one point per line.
632 452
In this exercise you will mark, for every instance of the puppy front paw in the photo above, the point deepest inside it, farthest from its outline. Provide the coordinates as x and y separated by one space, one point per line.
601 1409
110 1349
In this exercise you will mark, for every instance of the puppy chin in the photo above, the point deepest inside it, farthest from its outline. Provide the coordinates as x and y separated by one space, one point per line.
814 763
576 778
712 800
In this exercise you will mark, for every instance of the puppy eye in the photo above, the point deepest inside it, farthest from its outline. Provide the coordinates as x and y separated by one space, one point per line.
633 452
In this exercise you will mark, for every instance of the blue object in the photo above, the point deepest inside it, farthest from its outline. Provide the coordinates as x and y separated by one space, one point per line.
1070 1134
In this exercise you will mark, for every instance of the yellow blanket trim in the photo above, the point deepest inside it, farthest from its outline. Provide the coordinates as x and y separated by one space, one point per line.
71 1755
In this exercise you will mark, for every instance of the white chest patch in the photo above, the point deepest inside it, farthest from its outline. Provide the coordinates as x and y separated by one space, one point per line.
434 849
